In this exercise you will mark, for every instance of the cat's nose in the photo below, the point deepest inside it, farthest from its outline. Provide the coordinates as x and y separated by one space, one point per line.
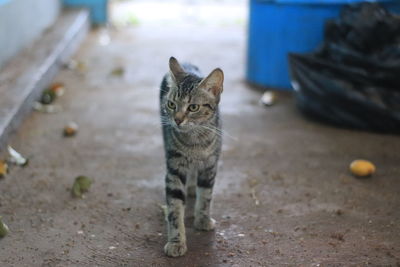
178 121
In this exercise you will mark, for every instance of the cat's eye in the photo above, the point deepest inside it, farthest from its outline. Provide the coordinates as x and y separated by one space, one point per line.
193 107
171 105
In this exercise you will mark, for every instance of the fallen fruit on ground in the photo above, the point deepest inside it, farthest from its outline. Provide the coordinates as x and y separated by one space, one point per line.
3 228
70 129
119 71
48 96
3 168
81 185
57 88
362 168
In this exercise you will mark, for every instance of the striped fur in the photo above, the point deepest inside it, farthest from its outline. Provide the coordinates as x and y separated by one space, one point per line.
192 142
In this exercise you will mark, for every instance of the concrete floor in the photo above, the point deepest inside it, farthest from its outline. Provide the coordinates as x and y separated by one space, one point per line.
283 196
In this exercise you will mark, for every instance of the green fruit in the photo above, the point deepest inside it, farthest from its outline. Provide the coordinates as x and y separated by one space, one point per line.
3 229
81 185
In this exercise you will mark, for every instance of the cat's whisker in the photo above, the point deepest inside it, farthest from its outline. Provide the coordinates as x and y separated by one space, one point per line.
219 132
225 133
215 132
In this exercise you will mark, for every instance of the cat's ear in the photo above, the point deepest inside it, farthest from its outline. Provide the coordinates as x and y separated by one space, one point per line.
213 83
176 70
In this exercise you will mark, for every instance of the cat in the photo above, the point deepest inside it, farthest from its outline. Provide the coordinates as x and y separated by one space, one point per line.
191 130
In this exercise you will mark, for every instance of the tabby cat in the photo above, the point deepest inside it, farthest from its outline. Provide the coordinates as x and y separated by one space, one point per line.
192 141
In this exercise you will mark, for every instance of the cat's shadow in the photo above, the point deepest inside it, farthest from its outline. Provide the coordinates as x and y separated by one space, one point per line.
198 242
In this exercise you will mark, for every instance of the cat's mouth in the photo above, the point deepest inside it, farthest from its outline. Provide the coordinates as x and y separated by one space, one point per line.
183 128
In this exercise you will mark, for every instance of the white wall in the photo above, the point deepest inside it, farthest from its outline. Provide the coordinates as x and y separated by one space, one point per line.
22 22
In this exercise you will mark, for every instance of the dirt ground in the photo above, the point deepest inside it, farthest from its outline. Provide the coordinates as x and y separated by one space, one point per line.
283 196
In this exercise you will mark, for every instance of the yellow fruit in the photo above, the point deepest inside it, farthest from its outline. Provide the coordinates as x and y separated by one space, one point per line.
362 168
3 168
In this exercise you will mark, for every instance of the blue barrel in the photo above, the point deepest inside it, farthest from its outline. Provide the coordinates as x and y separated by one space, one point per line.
278 27
98 9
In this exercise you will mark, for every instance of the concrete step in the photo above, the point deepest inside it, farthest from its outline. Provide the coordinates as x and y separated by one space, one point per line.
23 78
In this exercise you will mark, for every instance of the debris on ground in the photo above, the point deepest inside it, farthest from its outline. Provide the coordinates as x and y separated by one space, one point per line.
3 228
104 37
16 158
339 212
70 129
57 88
118 71
362 168
76 65
45 104
46 108
80 186
48 96
268 98
255 198
3 168
252 184
338 236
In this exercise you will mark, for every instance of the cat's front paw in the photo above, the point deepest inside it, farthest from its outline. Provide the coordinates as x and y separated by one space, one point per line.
175 249
204 224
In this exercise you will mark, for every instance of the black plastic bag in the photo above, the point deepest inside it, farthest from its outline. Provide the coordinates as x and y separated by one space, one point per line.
353 80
